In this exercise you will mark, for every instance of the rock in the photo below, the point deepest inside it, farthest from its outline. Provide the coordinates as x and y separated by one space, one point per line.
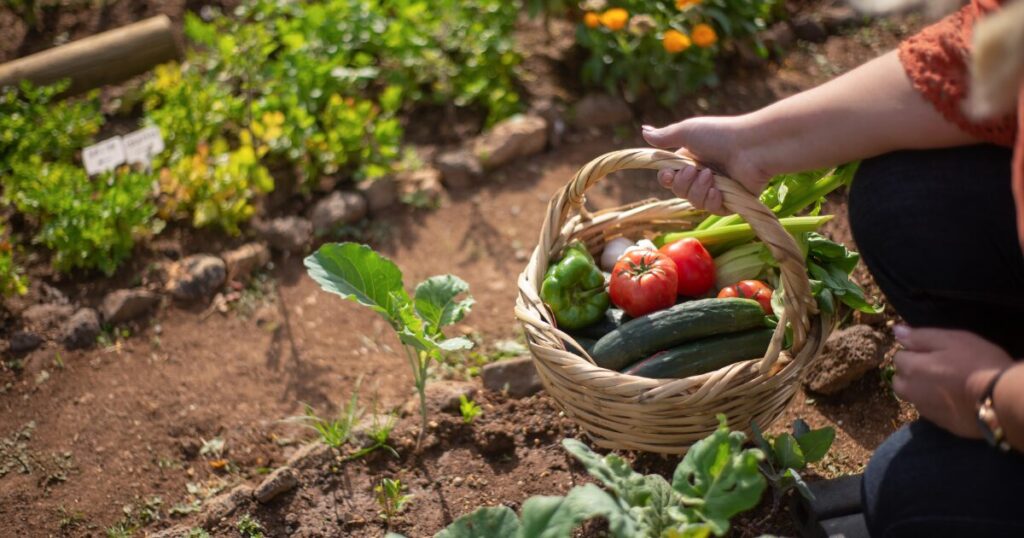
81 329
223 505
839 17
518 136
809 28
600 110
309 455
23 342
494 440
287 234
127 304
242 261
847 356
422 188
47 316
195 277
518 376
278 482
442 396
380 193
459 168
337 209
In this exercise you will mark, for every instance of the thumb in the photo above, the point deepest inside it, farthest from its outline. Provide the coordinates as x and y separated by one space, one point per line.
670 136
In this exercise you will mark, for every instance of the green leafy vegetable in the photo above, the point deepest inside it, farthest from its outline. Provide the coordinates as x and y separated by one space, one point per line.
788 455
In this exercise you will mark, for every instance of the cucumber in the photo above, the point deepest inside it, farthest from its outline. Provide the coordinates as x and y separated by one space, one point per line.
704 355
585 343
612 319
657 331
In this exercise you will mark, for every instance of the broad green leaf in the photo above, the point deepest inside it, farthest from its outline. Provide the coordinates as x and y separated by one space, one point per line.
436 301
557 517
788 452
358 273
486 522
719 478
455 344
612 471
689 530
792 477
800 427
815 443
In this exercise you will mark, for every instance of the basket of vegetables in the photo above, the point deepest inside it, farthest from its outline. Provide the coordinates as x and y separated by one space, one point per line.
699 315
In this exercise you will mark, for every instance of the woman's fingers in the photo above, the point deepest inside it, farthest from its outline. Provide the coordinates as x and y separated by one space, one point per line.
694 184
700 187
713 202
683 180
665 177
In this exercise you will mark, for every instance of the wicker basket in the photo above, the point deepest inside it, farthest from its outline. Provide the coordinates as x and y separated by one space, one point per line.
621 411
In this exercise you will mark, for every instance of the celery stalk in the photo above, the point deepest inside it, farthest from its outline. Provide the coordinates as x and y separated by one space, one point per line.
742 232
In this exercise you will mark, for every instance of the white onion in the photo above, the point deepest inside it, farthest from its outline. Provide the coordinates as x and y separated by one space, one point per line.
613 251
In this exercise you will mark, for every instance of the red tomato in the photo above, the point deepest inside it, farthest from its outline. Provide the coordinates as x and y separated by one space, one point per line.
694 266
750 289
643 281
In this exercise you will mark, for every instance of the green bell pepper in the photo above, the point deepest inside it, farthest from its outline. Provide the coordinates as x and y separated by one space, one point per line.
574 289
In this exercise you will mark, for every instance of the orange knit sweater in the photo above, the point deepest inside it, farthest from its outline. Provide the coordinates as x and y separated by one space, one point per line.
936 59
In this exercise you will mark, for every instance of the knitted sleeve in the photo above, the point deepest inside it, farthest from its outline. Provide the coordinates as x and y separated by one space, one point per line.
936 59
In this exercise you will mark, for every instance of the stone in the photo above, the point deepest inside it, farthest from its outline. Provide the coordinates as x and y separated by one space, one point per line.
459 168
516 137
517 376
81 329
600 110
848 355
23 342
242 261
46 316
809 28
337 209
127 304
422 188
288 234
380 193
222 506
196 277
276 483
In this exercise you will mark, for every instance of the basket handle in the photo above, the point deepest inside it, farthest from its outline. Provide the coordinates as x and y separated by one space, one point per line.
798 301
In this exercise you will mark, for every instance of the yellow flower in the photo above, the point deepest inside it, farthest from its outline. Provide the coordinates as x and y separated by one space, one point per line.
704 35
683 4
675 41
615 18
591 19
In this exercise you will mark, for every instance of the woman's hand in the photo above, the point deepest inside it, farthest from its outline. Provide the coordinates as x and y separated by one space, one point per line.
712 141
944 372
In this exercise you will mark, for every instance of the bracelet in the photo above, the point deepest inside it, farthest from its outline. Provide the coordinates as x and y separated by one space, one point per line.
988 421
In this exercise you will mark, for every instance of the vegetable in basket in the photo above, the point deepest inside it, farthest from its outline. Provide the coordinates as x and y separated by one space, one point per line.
694 267
750 289
574 289
643 281
704 355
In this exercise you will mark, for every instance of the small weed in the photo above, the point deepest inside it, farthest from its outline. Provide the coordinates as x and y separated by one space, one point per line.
469 409
379 433
196 532
69 521
334 432
391 498
249 527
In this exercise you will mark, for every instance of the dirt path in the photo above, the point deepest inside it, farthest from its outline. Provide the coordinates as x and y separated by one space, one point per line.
119 425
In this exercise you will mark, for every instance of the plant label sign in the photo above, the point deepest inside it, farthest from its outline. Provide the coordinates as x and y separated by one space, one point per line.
103 156
140 146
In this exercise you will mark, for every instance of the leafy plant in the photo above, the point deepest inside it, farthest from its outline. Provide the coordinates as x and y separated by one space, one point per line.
391 498
358 273
249 527
197 532
830 265
716 480
667 47
469 409
788 456
337 431
12 280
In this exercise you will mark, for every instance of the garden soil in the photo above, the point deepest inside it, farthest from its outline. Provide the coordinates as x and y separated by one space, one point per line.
130 432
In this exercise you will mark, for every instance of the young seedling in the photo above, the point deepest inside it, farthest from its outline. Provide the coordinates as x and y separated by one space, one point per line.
391 498
358 273
469 409
788 456
249 527
337 431
378 433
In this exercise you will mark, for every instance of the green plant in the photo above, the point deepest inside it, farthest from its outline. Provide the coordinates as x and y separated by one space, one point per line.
358 273
666 47
788 456
716 480
12 280
469 409
391 498
378 433
249 527
334 432
197 532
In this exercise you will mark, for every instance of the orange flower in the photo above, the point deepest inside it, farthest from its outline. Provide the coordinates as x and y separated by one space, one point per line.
591 19
704 35
683 4
675 41
615 18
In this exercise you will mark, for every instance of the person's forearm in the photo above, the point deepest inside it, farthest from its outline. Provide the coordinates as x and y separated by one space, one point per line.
871 110
1009 405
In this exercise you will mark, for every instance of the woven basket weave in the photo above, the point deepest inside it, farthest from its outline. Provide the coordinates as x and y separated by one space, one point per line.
621 411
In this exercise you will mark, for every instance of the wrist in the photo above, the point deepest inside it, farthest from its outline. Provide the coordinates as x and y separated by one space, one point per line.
978 382
748 159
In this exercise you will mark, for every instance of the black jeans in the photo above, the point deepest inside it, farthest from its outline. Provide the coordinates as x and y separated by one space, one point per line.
937 230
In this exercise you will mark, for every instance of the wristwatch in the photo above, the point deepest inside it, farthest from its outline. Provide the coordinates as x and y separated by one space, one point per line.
987 419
